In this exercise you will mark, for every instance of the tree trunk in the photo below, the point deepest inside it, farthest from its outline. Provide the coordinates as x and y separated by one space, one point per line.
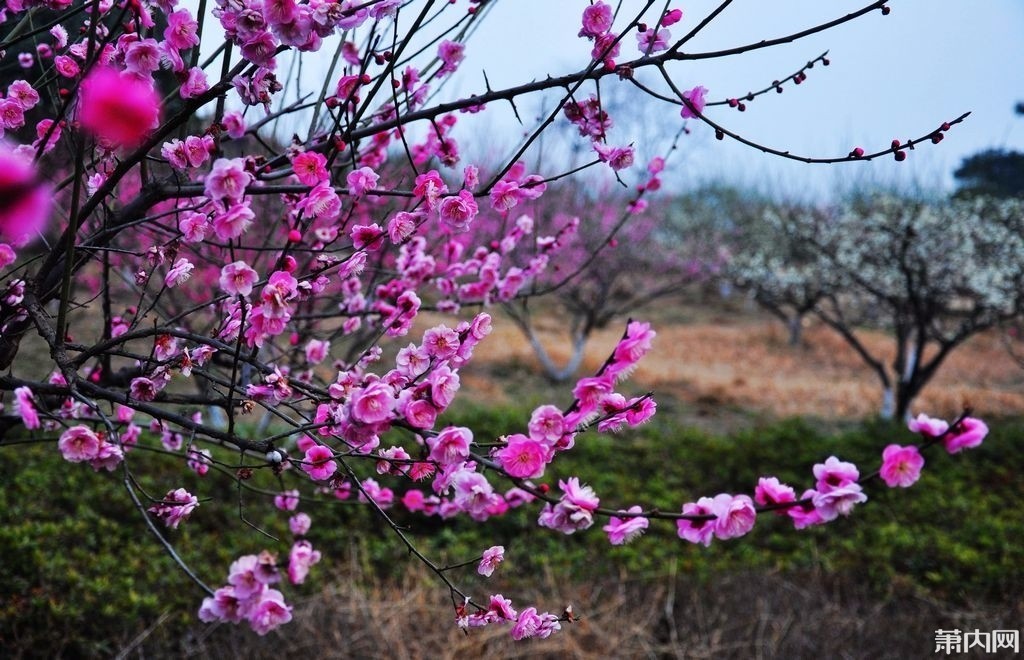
551 370
888 403
796 327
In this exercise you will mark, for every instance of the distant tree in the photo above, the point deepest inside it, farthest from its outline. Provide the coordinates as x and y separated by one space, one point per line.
647 254
992 173
931 274
781 275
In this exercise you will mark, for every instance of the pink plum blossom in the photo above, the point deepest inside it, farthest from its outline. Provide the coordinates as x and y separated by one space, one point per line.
618 158
531 624
441 342
301 558
652 40
310 167
195 84
693 102
175 508
698 531
671 17
420 414
321 202
547 424
199 461
181 30
269 612
838 501
227 180
735 515
361 181
319 463
25 407
371 490
451 54
805 515
901 466
26 201
928 426
834 473
491 558
238 278
234 124
250 575
287 500
317 351
299 524
119 109
574 511
430 186
597 19
770 491
523 457
451 445
458 211
623 530
232 222
373 404
178 273
968 434
78 444
224 605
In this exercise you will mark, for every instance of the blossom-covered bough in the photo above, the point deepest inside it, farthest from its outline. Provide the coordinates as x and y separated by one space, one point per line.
204 287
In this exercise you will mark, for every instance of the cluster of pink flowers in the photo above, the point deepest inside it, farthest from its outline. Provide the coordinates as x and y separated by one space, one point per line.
248 596
967 433
175 508
80 444
525 624
725 517
573 511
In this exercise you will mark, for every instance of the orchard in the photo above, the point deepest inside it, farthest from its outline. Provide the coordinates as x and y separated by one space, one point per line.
206 256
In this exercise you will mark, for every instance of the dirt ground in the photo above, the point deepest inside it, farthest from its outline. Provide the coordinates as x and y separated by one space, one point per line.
714 361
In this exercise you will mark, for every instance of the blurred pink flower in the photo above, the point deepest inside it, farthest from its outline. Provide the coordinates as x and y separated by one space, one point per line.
968 434
118 109
24 201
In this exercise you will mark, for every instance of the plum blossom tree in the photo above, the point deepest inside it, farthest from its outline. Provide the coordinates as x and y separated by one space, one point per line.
180 266
931 274
618 254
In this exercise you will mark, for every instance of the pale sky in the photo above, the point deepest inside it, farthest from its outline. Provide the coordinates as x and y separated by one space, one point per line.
891 76
895 76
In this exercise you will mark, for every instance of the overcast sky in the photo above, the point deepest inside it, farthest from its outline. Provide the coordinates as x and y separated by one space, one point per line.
895 76
891 76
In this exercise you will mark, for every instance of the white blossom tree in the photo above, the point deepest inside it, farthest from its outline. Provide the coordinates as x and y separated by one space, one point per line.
933 274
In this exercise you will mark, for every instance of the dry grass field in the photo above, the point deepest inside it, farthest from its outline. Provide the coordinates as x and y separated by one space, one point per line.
713 361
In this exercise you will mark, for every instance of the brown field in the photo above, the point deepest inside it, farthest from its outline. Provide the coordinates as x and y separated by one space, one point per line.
736 617
714 360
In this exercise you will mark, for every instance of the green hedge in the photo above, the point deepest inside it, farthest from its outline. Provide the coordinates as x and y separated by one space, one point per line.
82 574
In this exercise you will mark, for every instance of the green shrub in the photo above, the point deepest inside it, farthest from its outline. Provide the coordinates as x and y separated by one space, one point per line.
83 574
